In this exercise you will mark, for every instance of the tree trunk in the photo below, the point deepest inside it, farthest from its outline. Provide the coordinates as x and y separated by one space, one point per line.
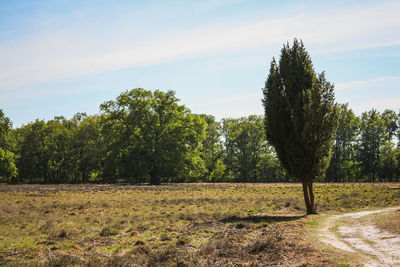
155 180
154 177
310 191
84 176
309 197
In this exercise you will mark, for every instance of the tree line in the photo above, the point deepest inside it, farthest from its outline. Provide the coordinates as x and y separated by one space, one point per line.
148 137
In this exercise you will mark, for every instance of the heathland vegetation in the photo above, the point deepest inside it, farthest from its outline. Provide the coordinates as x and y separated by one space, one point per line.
186 224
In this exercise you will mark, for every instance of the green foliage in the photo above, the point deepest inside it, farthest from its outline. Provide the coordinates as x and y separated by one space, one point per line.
364 147
89 144
218 171
391 120
212 150
142 131
343 165
5 130
389 161
300 116
59 150
372 138
300 113
271 169
32 150
151 134
8 169
246 149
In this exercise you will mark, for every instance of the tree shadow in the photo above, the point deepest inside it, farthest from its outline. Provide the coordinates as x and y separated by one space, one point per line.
261 219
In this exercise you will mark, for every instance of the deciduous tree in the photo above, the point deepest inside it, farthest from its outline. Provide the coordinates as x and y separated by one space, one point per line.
8 169
373 135
153 135
343 166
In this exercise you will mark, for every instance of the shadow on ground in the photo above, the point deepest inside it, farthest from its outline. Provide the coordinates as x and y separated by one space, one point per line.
260 219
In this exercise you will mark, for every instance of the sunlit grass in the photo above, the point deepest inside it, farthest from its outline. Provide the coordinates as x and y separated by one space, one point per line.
98 223
388 222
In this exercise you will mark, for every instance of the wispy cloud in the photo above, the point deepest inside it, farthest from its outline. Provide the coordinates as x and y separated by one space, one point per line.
379 104
365 84
379 93
71 52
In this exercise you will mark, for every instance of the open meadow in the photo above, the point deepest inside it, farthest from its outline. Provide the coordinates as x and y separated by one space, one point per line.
177 224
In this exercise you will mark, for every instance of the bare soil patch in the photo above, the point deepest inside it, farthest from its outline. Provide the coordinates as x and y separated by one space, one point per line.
374 246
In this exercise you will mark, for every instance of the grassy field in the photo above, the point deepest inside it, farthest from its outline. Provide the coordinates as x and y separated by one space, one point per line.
388 222
174 224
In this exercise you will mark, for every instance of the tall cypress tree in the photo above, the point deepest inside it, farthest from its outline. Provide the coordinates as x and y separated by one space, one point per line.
301 117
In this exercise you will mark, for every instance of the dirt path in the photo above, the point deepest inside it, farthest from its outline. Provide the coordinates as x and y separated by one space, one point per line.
348 233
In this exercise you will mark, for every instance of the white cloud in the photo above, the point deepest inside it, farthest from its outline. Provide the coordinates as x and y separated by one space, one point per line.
379 93
379 104
367 83
73 52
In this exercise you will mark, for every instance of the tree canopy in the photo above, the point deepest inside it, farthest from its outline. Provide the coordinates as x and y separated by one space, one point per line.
156 135
300 116
8 169
114 146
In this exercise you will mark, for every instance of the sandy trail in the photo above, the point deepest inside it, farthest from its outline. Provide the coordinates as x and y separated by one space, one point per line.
376 248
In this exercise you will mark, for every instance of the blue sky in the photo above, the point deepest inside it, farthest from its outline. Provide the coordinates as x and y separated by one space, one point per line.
62 57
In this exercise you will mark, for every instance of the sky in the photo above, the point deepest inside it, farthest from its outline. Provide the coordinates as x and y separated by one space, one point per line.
61 57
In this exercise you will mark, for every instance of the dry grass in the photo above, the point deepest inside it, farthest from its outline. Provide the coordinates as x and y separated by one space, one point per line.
388 222
174 224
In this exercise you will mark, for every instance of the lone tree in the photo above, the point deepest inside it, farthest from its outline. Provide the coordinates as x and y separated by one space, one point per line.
301 117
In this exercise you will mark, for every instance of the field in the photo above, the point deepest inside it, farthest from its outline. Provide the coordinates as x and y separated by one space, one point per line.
176 224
